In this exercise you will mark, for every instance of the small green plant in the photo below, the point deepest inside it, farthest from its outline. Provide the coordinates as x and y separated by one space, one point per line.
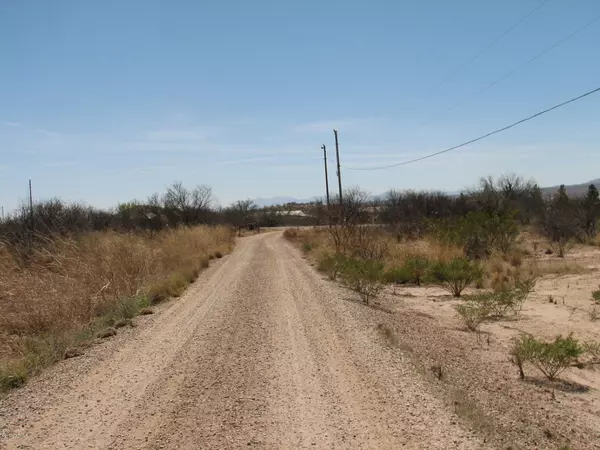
396 275
416 268
473 314
364 277
596 296
307 247
331 264
551 358
455 275
509 300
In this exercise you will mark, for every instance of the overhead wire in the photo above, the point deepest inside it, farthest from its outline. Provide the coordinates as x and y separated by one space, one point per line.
464 144
486 49
521 67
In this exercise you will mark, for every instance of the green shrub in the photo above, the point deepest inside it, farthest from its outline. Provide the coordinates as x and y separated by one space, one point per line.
596 296
455 275
473 314
509 300
307 247
416 268
479 233
331 264
551 358
363 276
396 275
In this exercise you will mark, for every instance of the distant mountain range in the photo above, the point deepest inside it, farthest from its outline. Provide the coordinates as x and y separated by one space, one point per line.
572 189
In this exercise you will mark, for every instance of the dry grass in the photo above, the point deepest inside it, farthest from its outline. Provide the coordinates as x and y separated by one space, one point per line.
430 249
68 283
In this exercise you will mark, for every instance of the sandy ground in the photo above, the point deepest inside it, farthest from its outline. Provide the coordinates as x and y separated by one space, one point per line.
534 413
260 352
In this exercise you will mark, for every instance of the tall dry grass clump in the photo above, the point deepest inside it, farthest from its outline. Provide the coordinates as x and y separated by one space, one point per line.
69 282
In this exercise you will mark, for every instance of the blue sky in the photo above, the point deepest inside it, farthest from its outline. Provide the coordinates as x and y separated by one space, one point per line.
106 101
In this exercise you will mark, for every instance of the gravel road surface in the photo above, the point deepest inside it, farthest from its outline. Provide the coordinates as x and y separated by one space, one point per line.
260 352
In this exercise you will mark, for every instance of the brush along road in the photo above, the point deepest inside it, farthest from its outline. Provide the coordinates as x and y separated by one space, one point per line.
261 351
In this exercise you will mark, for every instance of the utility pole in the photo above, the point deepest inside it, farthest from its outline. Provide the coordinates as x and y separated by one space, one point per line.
31 207
326 176
339 173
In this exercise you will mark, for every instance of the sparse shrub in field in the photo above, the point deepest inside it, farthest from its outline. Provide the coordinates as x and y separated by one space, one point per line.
560 222
593 349
499 304
596 296
307 247
331 264
364 277
551 358
473 314
416 268
480 233
173 286
396 275
455 275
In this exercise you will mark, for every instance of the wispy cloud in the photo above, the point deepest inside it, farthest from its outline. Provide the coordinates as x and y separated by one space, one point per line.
10 124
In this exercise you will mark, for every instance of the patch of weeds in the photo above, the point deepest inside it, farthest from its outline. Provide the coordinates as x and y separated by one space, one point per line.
416 268
455 275
363 276
551 358
13 374
593 349
473 314
509 300
396 275
307 247
172 286
596 296
331 264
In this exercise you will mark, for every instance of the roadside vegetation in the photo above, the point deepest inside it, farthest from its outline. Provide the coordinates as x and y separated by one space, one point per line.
486 247
63 283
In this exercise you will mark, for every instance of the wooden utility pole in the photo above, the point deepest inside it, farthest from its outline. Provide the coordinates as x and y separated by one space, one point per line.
339 173
31 207
326 176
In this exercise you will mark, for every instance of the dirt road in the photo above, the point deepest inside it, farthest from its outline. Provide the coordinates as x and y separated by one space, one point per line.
260 352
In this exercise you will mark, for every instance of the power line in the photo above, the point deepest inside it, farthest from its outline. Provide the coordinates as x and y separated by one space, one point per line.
486 49
541 113
521 67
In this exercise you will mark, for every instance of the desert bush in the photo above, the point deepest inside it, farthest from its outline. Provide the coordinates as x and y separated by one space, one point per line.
560 223
416 268
331 264
596 296
473 314
551 358
396 275
501 303
363 276
479 233
455 275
